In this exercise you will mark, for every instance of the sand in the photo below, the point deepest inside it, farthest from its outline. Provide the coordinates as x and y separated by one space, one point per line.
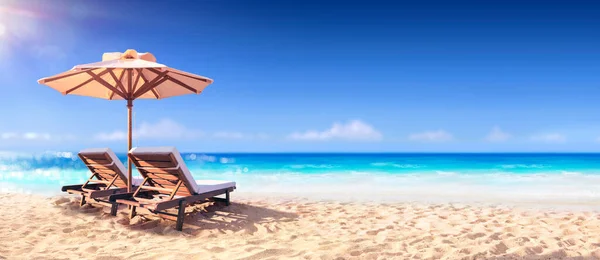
36 227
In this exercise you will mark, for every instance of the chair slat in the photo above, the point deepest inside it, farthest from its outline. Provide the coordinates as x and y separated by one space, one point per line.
168 171
163 182
98 161
103 171
94 156
101 167
159 189
156 164
162 176
154 157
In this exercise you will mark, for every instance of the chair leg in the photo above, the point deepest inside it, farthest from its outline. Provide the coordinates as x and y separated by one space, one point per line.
227 198
113 209
82 202
132 212
180 215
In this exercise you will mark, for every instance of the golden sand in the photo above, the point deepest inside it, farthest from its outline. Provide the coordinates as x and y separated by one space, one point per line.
35 227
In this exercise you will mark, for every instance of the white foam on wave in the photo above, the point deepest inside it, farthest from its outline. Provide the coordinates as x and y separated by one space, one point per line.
568 187
225 160
445 173
56 154
501 188
68 155
568 173
39 157
396 165
207 158
13 155
312 166
10 168
524 166
43 175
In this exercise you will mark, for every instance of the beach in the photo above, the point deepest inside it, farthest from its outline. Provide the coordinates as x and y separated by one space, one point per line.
268 227
299 130
321 206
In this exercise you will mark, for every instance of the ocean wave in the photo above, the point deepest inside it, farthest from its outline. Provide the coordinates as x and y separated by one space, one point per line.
207 158
444 173
430 184
225 160
312 166
568 173
10 167
396 165
13 155
191 157
525 166
66 155
49 175
37 156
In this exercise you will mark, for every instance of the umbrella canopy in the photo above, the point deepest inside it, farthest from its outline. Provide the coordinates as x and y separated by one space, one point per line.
126 76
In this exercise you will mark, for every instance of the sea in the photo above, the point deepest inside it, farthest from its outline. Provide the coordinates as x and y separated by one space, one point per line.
554 178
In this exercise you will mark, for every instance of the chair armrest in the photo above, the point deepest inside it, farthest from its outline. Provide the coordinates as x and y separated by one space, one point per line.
114 198
106 193
71 187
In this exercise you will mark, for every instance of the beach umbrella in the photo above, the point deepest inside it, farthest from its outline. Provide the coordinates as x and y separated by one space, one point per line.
126 76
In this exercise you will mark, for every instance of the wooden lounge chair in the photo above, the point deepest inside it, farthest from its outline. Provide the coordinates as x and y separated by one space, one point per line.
168 184
108 177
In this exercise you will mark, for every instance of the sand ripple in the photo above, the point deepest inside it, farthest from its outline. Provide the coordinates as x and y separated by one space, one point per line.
56 228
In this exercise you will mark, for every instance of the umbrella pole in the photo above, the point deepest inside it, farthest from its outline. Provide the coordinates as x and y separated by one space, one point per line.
129 143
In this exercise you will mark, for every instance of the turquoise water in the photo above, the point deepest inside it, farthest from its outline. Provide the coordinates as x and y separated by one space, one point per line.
572 177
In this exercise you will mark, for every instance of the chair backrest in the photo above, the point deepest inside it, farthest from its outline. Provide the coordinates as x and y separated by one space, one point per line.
164 168
104 165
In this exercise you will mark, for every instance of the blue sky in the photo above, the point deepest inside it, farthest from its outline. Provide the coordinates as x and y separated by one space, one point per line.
371 76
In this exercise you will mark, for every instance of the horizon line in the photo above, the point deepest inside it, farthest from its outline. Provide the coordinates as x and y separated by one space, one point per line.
361 152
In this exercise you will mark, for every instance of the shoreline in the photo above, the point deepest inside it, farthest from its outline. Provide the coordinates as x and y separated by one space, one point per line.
268 227
478 198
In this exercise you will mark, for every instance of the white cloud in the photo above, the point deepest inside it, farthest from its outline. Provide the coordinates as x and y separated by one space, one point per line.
169 129
114 136
431 136
352 130
166 129
239 136
497 135
229 135
34 136
163 129
6 136
549 138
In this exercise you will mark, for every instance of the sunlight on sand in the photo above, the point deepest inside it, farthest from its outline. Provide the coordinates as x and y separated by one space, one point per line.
268 228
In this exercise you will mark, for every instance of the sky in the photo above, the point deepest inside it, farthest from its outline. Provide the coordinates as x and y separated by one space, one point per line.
313 76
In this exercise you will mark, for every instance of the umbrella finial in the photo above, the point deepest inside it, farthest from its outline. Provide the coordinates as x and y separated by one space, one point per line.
129 54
